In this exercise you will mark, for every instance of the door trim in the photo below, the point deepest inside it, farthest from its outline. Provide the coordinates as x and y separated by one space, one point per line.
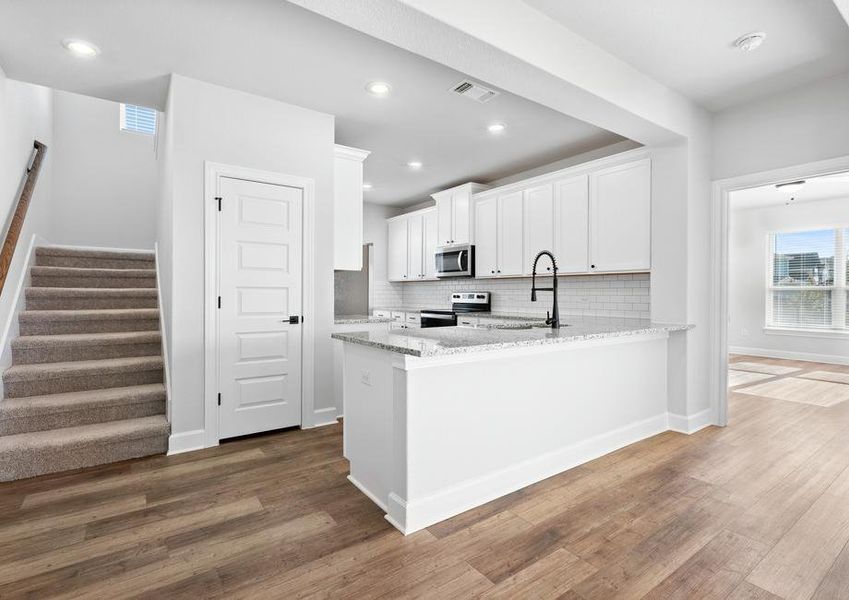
213 172
720 211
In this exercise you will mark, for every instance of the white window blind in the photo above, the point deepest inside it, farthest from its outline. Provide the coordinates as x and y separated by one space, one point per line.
807 274
138 118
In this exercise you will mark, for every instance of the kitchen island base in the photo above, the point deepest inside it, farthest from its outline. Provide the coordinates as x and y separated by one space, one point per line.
430 437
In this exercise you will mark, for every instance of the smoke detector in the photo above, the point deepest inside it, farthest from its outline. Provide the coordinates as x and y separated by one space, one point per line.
750 41
474 91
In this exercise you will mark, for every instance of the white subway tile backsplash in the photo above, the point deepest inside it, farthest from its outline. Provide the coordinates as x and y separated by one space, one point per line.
583 295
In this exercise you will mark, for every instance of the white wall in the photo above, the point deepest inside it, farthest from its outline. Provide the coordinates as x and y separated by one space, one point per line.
212 123
26 114
381 292
748 230
804 125
104 180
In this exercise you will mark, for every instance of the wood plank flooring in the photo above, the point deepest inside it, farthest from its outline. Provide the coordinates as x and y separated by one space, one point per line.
757 510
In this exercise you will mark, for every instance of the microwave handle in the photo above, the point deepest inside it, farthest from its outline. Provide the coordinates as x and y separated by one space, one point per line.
460 260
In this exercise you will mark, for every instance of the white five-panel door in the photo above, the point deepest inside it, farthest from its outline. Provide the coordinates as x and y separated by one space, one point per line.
260 263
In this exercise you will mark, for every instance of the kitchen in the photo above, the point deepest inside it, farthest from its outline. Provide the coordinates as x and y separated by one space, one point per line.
491 370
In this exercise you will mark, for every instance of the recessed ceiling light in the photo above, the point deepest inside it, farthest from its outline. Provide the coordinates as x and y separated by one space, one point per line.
81 48
495 127
750 41
378 88
791 187
414 164
366 186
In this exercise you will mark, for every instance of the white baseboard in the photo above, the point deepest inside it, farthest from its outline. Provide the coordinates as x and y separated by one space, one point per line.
324 416
692 423
412 515
836 359
186 441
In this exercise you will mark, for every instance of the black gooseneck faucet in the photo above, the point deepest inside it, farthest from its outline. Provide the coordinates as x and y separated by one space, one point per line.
554 319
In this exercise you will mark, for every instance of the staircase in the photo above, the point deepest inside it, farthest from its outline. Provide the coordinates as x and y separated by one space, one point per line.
86 382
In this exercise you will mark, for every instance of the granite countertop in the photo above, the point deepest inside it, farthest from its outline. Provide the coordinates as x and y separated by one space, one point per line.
443 341
359 319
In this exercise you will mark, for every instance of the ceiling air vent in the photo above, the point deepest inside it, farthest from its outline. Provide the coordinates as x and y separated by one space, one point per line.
474 91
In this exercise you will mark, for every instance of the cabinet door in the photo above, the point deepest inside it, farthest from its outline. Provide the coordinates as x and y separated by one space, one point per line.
445 219
431 241
397 250
620 218
462 222
572 224
539 227
486 237
415 245
510 237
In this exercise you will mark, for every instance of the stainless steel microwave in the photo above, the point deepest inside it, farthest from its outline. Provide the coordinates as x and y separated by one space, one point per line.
457 260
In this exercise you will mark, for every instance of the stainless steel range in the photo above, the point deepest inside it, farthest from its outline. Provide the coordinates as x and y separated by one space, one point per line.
461 302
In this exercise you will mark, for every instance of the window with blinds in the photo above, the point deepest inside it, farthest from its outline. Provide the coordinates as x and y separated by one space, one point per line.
808 271
138 118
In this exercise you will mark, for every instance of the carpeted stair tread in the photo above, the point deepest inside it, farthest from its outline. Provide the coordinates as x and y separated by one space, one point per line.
36 453
71 409
100 314
94 253
92 272
81 368
81 298
31 342
60 292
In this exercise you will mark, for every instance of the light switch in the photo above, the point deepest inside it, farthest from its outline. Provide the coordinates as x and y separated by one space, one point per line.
365 377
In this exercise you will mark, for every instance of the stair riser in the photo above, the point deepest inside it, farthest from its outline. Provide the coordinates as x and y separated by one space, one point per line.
86 262
59 385
93 282
88 303
44 421
29 356
91 326
52 460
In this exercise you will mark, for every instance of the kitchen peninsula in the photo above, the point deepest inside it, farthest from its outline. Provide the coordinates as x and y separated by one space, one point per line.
438 421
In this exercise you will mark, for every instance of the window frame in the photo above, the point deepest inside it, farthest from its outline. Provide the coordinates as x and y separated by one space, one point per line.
839 326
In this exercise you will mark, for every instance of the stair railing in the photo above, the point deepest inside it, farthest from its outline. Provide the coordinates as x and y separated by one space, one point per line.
16 223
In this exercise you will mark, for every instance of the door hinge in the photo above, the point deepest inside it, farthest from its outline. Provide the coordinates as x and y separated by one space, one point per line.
219 398
218 199
219 301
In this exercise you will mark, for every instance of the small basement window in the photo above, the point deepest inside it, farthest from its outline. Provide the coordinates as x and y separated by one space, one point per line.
138 118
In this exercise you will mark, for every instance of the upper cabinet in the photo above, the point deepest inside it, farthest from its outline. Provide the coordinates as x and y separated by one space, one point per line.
348 208
411 246
620 217
455 217
594 220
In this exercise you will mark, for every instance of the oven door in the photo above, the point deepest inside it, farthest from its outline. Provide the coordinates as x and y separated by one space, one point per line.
438 319
455 261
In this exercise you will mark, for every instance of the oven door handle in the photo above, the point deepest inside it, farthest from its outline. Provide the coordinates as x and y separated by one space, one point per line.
433 316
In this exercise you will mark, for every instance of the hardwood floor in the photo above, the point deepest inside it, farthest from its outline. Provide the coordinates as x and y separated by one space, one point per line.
759 509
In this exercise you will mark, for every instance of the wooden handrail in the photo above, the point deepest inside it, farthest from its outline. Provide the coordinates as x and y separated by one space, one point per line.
17 222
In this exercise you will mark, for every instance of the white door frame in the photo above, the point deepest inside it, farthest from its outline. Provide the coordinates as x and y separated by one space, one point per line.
719 262
213 172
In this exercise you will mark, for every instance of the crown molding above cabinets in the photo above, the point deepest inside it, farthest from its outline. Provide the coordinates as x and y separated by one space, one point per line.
348 208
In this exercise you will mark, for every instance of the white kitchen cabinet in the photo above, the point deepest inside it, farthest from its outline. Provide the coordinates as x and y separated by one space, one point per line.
572 224
486 237
539 226
455 217
499 238
620 217
431 241
348 208
411 246
415 247
510 234
397 249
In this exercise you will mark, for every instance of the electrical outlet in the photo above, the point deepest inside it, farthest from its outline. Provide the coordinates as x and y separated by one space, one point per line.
744 332
365 377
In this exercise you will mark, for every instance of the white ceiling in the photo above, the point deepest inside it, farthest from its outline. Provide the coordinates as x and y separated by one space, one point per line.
275 49
816 188
688 44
